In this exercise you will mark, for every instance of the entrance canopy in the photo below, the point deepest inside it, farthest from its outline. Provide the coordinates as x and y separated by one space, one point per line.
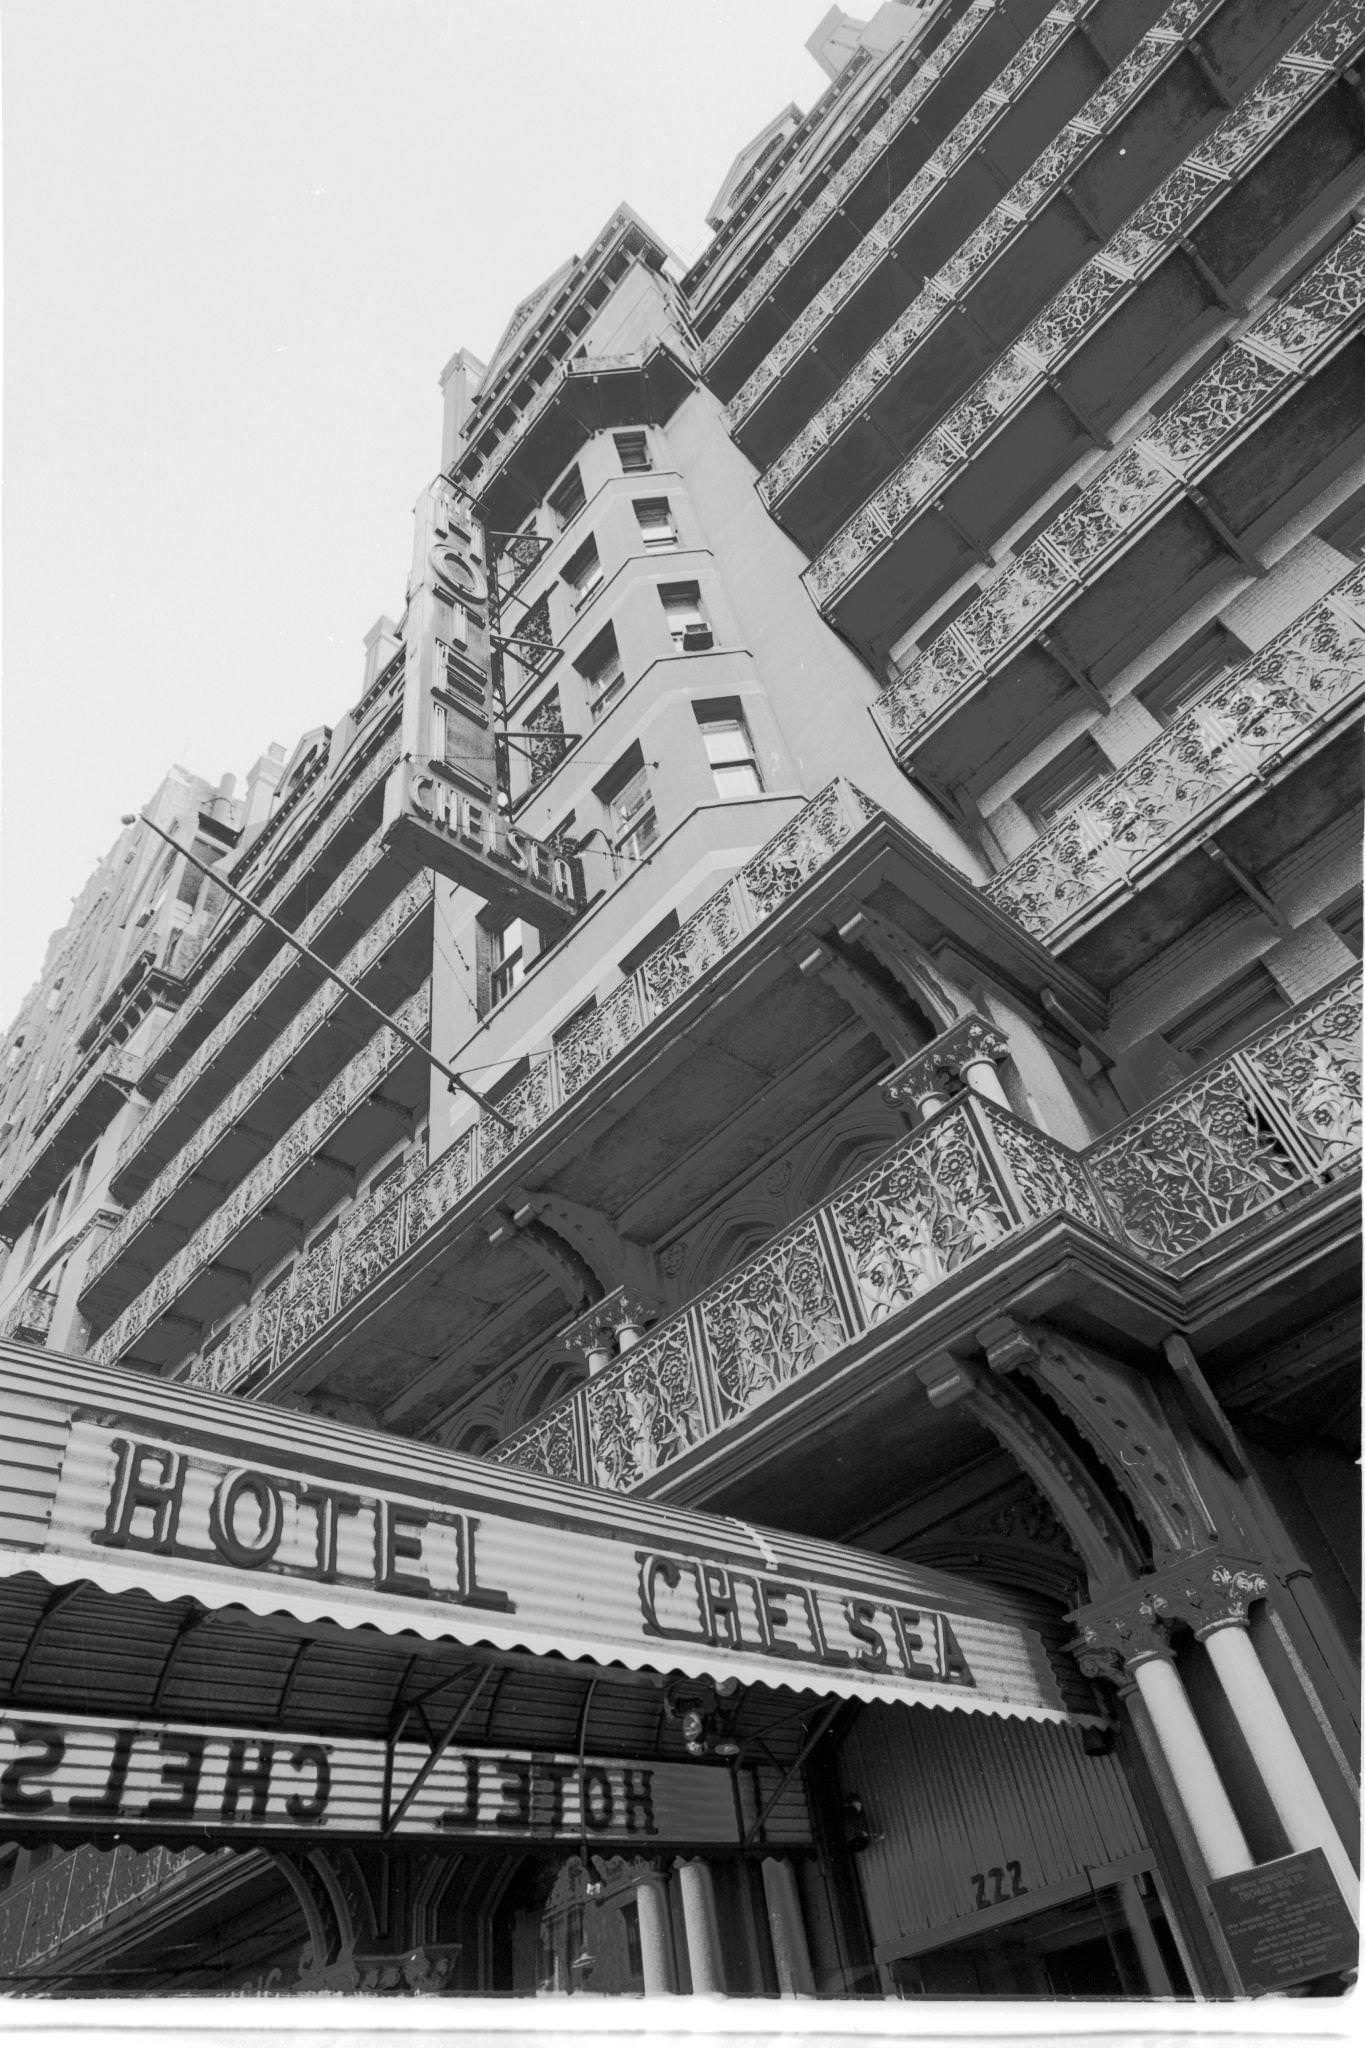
158 1543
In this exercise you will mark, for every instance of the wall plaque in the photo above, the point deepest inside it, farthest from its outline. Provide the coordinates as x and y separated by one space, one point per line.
1285 1922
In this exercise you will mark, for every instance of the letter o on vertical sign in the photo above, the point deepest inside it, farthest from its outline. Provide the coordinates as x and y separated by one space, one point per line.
598 1803
223 1518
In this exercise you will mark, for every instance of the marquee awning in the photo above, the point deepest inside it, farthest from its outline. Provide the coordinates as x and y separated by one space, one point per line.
142 1491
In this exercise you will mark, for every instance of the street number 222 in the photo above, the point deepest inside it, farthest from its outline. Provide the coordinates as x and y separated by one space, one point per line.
997 1875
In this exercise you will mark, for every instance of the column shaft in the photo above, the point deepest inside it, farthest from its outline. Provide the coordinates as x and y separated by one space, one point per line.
982 1077
703 1930
656 1937
787 1927
1217 1829
1292 1787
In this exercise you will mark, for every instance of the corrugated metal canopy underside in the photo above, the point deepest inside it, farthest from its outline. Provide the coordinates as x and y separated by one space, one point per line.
77 1648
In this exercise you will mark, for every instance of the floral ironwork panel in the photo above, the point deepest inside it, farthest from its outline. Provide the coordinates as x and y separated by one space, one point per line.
796 852
1193 1166
707 936
437 1191
1310 1066
525 1107
920 1214
644 1411
308 1302
772 1320
550 1447
369 1254
1047 1175
597 1038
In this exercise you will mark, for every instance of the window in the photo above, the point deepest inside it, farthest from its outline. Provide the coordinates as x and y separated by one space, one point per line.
602 673
1221 1021
650 943
634 821
687 622
1345 921
509 952
729 749
386 1175
1063 782
635 1955
567 500
1191 674
325 1235
583 574
656 523
632 452
1345 530
572 1022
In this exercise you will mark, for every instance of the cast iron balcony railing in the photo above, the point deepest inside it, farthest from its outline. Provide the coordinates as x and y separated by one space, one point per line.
357 1258
248 929
32 1314
226 1029
1220 748
853 170
1276 1118
553 388
277 1056
306 1137
1103 284
546 742
1258 370
1010 216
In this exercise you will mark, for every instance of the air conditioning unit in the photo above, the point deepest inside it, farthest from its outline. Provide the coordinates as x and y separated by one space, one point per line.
696 639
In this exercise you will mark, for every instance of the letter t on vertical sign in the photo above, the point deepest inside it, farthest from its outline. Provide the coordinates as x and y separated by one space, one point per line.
447 686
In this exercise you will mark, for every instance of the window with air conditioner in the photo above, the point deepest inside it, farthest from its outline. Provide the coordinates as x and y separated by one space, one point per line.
604 679
688 625
656 523
632 452
583 574
730 750
567 499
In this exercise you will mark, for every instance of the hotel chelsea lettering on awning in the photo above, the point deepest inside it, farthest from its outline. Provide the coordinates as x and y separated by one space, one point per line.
78 1775
131 1484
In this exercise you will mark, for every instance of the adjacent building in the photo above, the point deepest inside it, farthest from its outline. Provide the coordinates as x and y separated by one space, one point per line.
856 820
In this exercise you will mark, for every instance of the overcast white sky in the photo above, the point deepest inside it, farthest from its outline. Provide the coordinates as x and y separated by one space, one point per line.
242 237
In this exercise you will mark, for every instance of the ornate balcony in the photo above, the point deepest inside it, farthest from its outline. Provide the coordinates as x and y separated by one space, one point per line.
353 1086
1223 747
1063 157
32 1314
1103 284
852 171
278 1055
1275 1119
583 397
360 1256
82 1109
1256 373
229 1027
248 929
